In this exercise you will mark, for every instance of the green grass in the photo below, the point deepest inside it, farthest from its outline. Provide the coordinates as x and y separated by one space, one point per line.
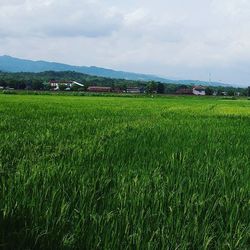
124 173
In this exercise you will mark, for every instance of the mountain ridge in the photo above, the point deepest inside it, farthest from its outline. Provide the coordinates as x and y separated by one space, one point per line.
13 64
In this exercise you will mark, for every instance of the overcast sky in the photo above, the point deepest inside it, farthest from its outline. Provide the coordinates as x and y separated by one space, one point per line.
183 39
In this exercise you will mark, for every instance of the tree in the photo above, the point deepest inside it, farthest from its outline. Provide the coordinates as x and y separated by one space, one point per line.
151 87
124 87
182 86
2 83
160 88
209 91
220 92
75 87
248 91
62 87
37 84
46 86
230 92
170 88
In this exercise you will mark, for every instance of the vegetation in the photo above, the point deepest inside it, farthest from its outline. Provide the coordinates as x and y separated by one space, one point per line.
209 91
124 173
37 81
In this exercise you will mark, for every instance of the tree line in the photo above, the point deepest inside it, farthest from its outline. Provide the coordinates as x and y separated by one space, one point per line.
39 81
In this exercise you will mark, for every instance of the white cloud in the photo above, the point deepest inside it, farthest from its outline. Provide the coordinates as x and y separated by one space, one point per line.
186 39
58 18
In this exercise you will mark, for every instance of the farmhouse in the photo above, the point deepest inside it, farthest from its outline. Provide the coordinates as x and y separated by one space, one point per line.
133 90
68 84
99 89
199 90
117 90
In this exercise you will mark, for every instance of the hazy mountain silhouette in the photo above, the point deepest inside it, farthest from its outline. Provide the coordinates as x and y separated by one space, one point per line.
12 64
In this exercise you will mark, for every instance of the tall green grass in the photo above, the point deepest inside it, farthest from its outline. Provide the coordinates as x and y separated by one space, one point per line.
124 173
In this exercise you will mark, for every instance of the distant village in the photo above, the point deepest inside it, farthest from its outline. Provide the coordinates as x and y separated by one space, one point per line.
183 90
77 82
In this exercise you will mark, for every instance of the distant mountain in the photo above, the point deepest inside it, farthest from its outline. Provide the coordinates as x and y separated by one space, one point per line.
12 64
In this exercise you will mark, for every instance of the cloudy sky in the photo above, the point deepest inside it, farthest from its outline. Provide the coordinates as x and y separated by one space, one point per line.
183 39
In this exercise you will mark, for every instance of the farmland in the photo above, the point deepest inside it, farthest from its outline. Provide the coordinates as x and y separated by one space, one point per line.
124 173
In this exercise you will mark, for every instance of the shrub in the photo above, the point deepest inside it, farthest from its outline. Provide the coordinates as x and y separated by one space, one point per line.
9 92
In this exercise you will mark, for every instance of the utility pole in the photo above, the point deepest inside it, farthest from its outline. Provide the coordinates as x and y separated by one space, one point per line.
210 77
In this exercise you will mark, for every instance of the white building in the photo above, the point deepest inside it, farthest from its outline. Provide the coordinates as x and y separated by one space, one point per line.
55 84
199 90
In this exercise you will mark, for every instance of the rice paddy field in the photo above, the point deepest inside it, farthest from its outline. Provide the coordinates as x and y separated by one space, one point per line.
124 173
